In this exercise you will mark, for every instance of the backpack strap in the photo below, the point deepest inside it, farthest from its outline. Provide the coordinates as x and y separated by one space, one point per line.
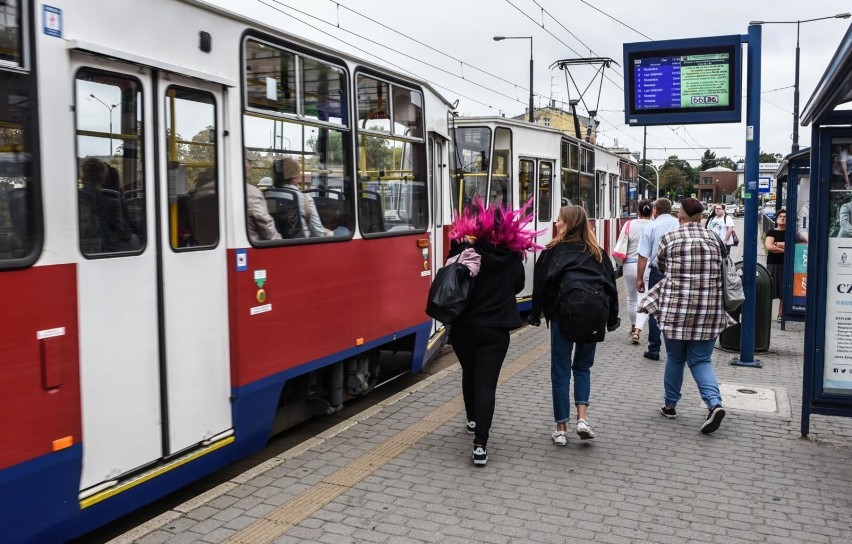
722 246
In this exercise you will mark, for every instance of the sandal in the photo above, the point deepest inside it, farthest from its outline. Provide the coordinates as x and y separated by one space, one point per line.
779 319
634 336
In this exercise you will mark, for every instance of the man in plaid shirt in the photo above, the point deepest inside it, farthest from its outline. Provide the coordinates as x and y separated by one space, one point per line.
689 308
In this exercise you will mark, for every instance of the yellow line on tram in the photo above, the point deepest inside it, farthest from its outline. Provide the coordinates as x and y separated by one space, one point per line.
296 510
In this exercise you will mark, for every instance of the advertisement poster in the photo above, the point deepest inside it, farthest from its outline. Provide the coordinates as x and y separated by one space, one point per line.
838 299
800 250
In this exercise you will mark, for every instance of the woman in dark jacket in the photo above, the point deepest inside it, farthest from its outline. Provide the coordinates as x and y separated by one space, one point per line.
480 335
573 259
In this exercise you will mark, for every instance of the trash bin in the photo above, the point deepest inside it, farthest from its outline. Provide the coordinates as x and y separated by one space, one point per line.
730 337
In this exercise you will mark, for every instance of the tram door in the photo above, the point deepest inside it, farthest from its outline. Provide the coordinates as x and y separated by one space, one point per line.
152 329
439 179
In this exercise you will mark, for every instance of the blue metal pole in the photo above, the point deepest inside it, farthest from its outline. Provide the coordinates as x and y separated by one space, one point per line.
750 193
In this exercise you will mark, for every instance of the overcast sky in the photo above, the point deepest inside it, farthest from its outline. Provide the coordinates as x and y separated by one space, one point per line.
463 29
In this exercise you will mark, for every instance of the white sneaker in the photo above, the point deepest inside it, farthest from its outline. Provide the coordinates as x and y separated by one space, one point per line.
584 431
559 438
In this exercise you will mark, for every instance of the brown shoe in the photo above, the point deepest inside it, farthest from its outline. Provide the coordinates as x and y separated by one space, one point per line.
634 336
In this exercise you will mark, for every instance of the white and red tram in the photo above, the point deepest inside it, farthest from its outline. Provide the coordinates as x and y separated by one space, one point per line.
146 338
510 162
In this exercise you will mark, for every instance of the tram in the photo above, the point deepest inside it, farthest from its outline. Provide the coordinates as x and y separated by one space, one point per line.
210 230
509 162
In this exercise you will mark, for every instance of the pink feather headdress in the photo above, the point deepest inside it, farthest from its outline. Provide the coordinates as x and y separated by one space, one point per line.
497 226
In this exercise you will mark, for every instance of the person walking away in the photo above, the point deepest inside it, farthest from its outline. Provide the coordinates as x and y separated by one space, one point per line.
480 334
774 245
722 224
688 304
637 226
573 273
648 244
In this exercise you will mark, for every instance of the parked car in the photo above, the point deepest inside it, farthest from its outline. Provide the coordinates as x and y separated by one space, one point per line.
769 211
740 211
731 209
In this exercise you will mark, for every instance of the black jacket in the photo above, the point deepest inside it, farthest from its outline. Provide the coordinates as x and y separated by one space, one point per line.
573 259
501 277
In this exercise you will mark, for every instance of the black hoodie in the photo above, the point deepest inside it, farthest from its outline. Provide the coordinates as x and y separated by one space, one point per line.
501 276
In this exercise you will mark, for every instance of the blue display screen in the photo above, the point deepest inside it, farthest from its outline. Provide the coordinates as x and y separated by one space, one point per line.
682 81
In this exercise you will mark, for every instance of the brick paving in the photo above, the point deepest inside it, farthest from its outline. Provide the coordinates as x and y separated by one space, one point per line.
643 479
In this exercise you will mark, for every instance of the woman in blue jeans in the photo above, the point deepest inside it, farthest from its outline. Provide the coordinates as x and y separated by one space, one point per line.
572 258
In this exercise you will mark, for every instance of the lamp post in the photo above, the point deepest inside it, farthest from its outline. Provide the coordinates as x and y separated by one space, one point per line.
110 108
795 146
500 38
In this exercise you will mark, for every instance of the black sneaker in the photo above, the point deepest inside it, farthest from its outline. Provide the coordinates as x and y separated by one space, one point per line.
714 418
471 427
653 355
480 456
670 413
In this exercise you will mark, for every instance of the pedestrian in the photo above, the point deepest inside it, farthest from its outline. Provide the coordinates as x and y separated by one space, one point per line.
649 243
631 262
480 334
722 224
774 245
688 303
572 267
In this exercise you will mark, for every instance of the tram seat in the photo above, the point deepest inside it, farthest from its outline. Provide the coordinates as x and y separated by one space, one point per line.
283 206
330 205
370 213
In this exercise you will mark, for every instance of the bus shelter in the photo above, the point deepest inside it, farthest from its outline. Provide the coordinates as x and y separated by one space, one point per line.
827 385
793 176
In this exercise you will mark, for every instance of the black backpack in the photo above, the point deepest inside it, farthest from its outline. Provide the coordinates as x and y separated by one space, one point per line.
449 293
582 311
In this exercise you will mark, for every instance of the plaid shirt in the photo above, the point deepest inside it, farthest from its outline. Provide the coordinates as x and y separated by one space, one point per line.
688 302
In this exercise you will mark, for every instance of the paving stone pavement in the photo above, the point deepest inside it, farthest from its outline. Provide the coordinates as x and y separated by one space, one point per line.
643 479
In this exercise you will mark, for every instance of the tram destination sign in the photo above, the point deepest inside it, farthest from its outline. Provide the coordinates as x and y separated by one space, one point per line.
692 81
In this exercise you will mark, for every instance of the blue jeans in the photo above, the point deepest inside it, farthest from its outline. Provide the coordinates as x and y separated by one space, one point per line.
654 277
561 367
697 355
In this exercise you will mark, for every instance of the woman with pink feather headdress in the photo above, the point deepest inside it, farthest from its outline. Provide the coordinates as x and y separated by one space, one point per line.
480 335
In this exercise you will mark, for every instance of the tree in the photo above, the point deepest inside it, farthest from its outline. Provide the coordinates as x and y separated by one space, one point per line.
770 157
708 161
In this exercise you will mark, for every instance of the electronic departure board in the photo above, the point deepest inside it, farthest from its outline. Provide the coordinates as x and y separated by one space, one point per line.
683 81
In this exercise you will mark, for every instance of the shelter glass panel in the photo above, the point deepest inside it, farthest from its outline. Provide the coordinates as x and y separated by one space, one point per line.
193 186
111 187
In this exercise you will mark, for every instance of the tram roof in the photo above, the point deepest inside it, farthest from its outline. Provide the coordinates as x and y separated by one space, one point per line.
835 86
259 25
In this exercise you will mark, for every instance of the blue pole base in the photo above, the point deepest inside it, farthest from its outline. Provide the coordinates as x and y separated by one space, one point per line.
753 364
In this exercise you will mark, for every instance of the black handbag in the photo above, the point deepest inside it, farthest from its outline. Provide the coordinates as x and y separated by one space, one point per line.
449 293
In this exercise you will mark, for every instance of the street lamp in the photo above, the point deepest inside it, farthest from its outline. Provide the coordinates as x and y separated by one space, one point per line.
110 108
795 146
500 38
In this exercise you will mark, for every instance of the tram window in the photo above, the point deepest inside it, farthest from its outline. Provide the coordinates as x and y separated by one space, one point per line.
501 169
470 160
373 113
323 95
526 180
573 156
570 188
111 190
302 172
270 78
192 174
545 190
613 195
407 112
17 207
391 175
587 196
11 37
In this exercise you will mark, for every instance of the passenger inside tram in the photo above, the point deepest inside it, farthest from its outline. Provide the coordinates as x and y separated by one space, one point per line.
286 176
102 225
